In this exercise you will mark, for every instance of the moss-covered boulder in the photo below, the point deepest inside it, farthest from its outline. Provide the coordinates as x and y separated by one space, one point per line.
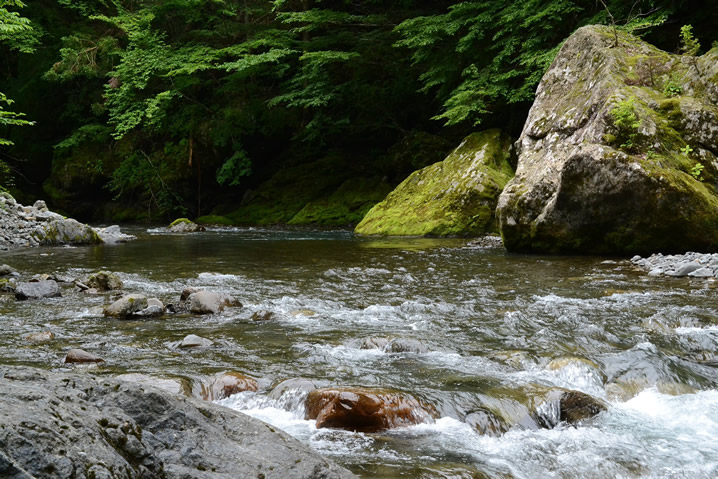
619 153
184 225
454 197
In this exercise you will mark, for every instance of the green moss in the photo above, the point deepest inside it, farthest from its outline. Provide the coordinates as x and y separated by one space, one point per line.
346 206
179 221
213 220
456 196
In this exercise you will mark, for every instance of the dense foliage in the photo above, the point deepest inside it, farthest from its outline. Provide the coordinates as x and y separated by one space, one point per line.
173 106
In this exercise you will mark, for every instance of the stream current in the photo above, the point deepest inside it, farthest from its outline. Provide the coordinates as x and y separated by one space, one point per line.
499 330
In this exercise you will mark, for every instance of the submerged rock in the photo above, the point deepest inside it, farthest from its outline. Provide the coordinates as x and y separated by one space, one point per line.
486 423
608 155
41 337
301 385
6 270
396 345
193 341
456 196
224 385
264 315
75 425
570 407
37 290
104 281
365 410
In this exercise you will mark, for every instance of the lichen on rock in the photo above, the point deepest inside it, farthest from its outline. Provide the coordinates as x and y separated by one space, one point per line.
581 186
454 197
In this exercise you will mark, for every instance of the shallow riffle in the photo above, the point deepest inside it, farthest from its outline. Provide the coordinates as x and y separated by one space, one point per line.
498 331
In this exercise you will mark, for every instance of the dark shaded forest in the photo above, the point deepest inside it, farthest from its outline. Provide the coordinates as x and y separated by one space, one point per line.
126 110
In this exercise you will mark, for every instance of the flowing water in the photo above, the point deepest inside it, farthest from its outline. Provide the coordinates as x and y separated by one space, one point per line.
499 331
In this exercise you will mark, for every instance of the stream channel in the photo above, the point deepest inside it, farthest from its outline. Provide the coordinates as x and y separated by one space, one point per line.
499 331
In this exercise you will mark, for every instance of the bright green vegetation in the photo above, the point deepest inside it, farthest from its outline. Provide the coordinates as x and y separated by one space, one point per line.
625 122
180 221
158 109
453 197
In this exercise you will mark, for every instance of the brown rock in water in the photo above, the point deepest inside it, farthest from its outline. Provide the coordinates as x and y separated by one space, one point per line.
577 406
486 422
41 337
263 315
227 384
187 292
80 356
565 406
365 410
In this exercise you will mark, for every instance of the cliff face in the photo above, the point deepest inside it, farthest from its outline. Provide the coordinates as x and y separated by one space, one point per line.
619 153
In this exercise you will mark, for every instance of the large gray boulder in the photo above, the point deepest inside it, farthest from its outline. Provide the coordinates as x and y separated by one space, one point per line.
67 231
55 425
453 197
619 153
37 290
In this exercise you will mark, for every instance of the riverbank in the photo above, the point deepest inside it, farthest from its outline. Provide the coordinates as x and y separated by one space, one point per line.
691 264
27 226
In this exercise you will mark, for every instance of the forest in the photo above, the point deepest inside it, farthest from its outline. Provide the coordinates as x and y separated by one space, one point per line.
126 110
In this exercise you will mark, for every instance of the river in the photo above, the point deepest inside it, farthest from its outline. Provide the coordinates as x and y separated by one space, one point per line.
499 330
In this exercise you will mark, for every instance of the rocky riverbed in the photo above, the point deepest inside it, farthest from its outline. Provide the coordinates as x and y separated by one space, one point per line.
27 226
73 425
691 264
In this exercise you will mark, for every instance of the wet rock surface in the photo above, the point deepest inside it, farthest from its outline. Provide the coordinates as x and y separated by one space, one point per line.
365 410
37 290
68 425
104 281
81 356
208 302
692 265
126 306
226 384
